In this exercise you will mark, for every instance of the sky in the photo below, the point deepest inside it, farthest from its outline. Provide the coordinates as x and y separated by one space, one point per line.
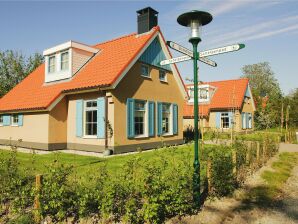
269 29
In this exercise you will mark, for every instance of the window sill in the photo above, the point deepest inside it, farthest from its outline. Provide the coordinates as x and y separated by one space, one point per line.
141 136
90 137
168 134
14 125
147 77
164 81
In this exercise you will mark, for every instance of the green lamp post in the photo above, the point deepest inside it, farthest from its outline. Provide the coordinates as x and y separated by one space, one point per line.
195 20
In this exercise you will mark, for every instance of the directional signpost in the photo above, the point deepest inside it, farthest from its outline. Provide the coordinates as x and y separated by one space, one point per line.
202 55
221 50
188 52
194 20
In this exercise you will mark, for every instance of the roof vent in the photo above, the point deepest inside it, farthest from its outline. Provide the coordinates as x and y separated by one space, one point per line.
147 19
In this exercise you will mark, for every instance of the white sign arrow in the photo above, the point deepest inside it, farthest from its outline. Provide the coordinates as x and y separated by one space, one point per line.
175 60
188 52
208 62
221 50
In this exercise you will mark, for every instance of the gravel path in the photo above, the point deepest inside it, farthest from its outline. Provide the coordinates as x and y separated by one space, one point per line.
235 210
283 211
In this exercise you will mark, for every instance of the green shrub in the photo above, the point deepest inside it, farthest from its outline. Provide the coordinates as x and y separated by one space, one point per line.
57 194
222 179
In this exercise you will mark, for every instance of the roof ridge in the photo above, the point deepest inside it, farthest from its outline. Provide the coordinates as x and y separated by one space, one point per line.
124 36
189 84
115 39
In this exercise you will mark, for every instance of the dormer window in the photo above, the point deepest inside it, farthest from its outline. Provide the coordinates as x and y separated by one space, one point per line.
64 60
51 68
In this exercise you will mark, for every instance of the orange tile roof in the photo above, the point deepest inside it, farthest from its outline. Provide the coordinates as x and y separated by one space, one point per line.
102 70
228 94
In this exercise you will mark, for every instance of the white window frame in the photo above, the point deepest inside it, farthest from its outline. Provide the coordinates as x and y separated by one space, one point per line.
49 64
1 118
147 66
61 62
84 117
165 76
221 121
13 123
170 132
145 119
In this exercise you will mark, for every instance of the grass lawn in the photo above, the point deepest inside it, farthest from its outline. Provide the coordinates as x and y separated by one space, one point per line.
85 166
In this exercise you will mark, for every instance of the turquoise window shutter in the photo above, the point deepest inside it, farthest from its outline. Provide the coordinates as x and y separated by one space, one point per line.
159 118
243 121
20 123
217 119
79 118
130 106
247 120
6 120
101 120
175 119
151 119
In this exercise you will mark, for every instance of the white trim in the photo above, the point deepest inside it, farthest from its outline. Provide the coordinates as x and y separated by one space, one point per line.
84 117
252 100
69 44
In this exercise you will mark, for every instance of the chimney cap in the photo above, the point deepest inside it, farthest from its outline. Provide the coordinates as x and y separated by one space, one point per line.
144 10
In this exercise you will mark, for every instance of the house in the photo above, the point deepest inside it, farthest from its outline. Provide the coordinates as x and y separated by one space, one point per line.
112 95
223 105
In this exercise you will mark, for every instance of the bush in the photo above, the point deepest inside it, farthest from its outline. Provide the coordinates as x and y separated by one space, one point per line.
57 194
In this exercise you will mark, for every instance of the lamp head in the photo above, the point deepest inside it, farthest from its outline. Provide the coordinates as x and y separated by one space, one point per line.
195 20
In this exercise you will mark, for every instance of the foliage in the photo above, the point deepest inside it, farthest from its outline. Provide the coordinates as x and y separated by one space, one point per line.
223 181
141 191
14 67
267 94
291 104
56 194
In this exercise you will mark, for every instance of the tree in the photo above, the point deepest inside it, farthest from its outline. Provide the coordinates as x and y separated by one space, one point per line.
14 67
264 87
291 101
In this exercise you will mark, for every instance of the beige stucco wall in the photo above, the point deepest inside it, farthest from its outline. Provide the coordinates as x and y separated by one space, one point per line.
71 122
34 129
248 108
135 86
58 123
79 58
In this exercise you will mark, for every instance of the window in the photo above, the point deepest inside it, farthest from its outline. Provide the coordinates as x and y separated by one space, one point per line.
91 118
162 76
14 120
139 119
64 60
191 93
1 120
145 70
203 94
166 114
225 120
51 66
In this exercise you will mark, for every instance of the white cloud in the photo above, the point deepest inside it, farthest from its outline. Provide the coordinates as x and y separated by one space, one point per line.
254 30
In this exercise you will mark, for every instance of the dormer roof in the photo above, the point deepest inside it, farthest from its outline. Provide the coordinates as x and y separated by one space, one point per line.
70 44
